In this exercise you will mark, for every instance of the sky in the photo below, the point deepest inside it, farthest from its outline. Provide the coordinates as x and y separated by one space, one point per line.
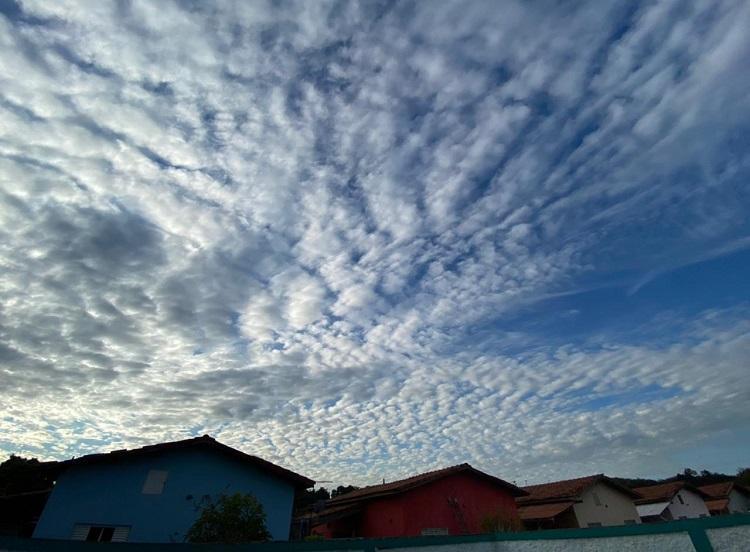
368 239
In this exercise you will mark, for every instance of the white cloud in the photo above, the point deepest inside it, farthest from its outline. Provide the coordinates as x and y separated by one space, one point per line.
303 218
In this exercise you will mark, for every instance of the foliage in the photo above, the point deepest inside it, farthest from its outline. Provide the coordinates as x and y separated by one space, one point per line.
22 475
309 499
743 476
500 521
704 477
342 490
233 519
312 499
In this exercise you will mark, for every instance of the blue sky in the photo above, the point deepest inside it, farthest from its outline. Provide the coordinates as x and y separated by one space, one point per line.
369 239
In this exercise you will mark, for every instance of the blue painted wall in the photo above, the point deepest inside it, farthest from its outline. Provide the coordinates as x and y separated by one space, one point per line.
110 494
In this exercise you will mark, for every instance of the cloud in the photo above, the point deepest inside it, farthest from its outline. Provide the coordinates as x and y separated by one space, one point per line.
296 226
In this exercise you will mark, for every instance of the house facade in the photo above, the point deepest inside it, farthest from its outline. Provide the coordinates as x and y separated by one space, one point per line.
452 501
671 501
593 501
153 494
727 498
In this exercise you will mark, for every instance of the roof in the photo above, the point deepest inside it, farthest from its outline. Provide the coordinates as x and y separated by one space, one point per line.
570 489
537 512
717 505
330 514
649 510
722 490
665 491
205 442
403 485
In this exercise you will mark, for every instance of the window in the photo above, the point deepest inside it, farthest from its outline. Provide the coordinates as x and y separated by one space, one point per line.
434 531
629 522
100 533
683 517
595 524
703 515
597 501
155 481
679 497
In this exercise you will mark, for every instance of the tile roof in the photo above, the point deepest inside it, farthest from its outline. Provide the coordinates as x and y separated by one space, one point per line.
535 512
403 485
717 505
570 489
722 490
204 442
665 491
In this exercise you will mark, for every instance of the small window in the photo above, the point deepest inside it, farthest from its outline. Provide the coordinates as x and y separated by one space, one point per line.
434 531
595 524
629 522
597 501
679 497
100 533
703 515
155 481
683 517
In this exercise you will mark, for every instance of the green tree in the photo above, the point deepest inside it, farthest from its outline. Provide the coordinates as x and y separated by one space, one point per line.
743 476
342 490
232 519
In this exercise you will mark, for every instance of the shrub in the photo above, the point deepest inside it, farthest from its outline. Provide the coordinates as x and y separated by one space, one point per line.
232 519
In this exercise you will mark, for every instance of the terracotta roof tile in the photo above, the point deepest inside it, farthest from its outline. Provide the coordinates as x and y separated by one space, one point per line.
665 491
570 489
717 505
409 483
542 511
722 490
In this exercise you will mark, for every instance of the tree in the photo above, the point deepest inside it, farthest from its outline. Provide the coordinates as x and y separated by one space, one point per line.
342 490
22 475
743 476
310 500
233 519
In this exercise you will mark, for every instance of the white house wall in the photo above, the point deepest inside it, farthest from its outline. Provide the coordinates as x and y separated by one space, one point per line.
614 509
738 502
693 506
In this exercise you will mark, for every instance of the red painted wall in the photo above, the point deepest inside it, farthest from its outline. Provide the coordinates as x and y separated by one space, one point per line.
407 514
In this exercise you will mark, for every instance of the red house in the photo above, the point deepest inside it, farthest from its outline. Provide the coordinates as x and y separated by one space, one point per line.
458 500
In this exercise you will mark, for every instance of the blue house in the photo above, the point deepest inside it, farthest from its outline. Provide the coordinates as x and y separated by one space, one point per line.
153 494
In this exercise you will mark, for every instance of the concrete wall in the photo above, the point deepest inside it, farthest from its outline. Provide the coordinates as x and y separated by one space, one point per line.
614 507
718 534
691 506
677 542
111 494
738 502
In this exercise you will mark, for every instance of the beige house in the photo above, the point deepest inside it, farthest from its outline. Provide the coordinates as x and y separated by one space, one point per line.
594 501
668 501
727 498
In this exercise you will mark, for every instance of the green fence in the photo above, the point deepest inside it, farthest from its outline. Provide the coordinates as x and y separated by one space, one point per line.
716 534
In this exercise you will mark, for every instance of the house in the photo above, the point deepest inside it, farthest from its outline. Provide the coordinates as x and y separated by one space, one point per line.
668 501
593 501
153 493
457 500
726 498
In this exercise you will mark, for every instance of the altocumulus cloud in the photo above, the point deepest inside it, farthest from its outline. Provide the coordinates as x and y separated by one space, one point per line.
347 236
